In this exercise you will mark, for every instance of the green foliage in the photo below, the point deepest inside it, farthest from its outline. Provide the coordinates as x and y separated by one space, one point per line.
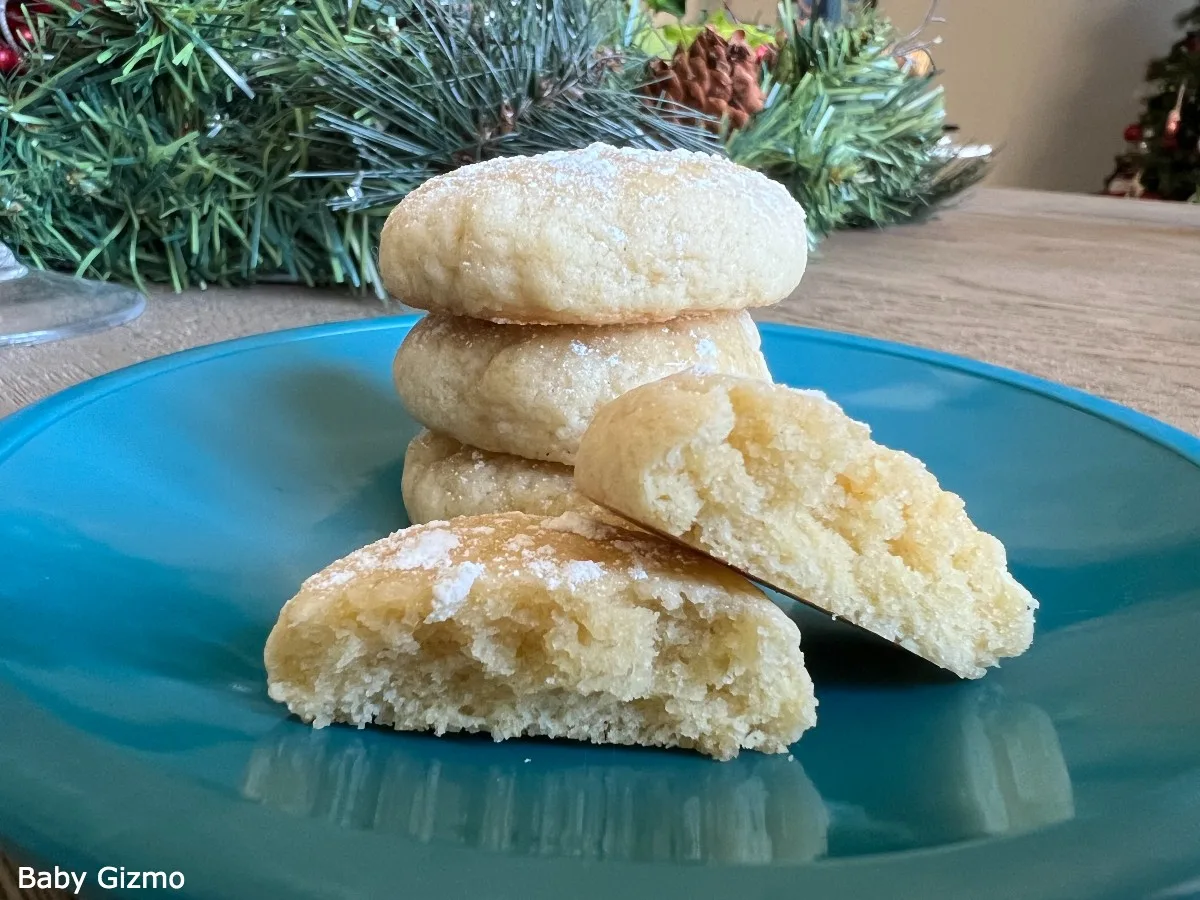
664 40
195 142
160 140
134 146
420 96
856 138
672 7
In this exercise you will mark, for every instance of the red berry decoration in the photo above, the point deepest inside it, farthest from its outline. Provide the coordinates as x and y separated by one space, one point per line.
10 59
23 34
1133 133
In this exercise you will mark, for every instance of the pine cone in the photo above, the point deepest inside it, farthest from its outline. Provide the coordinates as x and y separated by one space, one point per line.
715 76
919 62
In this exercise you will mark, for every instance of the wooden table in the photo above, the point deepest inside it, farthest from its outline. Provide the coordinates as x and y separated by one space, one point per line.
1097 293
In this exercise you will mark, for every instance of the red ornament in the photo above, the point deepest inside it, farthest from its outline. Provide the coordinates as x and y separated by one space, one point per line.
1170 141
23 34
1133 133
10 59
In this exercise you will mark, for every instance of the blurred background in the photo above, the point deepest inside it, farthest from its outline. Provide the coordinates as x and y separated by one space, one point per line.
1053 83
286 143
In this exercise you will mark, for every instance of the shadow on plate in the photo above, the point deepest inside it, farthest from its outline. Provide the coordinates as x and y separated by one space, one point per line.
838 653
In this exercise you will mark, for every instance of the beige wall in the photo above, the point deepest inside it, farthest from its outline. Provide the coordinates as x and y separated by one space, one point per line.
1053 82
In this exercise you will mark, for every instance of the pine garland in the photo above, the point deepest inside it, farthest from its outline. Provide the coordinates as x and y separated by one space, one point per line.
441 87
134 147
196 142
168 140
855 137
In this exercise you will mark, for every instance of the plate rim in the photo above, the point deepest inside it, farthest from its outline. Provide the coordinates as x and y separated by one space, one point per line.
19 427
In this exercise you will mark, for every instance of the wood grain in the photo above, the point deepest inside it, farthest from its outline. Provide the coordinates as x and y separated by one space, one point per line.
1097 293
1088 291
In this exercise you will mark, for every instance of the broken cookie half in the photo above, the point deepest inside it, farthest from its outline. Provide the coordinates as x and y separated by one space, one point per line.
782 485
520 625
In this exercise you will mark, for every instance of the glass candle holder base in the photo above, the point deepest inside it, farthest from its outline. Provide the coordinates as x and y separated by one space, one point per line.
46 306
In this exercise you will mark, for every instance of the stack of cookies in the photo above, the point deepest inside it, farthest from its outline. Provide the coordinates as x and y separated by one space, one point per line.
588 331
557 283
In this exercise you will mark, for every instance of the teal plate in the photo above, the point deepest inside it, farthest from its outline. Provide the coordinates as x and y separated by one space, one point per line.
152 523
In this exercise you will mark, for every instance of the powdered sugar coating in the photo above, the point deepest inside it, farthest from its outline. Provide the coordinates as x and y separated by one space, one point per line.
444 478
587 527
330 578
595 236
451 589
531 390
430 550
597 169
581 571
523 628
567 552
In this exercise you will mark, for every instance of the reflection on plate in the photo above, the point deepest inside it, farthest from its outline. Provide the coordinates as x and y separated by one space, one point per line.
590 803
946 764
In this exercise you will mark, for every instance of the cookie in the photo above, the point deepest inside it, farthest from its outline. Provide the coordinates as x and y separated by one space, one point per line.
521 625
784 486
594 237
444 479
530 390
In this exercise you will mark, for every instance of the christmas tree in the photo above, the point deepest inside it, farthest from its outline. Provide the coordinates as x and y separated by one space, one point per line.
1163 159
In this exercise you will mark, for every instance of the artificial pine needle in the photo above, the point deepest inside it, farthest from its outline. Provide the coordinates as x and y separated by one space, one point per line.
235 141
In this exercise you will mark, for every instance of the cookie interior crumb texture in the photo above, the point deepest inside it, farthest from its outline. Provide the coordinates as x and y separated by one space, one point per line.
782 485
515 624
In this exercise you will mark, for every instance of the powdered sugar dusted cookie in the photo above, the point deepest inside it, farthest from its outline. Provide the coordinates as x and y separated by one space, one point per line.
515 624
444 479
595 236
784 486
530 390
